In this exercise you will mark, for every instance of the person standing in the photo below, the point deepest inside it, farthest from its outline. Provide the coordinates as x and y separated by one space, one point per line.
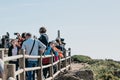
45 40
32 47
13 51
43 36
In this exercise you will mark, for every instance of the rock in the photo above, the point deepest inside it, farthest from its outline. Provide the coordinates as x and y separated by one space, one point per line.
85 74
76 75
117 73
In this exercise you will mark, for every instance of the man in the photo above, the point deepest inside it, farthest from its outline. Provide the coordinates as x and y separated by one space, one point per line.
32 47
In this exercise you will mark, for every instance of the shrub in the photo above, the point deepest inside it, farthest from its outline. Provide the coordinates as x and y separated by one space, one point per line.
81 58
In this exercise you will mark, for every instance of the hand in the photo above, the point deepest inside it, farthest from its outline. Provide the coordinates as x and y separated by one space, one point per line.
42 51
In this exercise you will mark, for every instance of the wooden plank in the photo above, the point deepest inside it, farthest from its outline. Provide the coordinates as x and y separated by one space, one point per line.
55 63
22 65
45 66
51 67
34 57
69 54
57 73
2 54
50 78
19 72
62 59
59 64
47 56
2 49
68 57
13 57
40 71
32 69
9 71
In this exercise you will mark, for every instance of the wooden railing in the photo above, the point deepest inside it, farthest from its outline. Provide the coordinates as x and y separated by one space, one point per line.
10 69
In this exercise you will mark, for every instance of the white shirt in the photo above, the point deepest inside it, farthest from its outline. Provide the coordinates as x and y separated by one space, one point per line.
14 51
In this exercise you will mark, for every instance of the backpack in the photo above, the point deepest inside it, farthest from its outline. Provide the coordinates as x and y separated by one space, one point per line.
44 39
46 61
47 52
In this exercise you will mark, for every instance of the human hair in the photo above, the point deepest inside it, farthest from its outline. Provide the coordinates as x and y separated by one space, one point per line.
28 34
42 30
23 35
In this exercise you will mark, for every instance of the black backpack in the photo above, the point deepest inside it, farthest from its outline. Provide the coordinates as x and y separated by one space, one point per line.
44 39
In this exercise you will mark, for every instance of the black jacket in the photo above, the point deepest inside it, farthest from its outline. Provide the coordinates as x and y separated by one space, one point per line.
10 51
44 39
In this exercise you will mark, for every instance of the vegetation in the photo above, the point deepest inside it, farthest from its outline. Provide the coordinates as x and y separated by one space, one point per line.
103 69
81 58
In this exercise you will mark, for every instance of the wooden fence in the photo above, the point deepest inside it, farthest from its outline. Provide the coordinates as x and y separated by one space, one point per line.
10 69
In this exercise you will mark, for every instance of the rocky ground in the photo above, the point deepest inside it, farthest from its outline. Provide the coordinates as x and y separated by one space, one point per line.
76 73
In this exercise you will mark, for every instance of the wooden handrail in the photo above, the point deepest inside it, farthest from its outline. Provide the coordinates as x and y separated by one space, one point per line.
19 72
13 57
22 69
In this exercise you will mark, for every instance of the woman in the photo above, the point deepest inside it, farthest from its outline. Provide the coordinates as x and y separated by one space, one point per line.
13 51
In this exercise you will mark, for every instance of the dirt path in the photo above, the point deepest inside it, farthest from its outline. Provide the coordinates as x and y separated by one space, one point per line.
78 66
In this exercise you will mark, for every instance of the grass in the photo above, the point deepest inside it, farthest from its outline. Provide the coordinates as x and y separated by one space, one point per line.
102 69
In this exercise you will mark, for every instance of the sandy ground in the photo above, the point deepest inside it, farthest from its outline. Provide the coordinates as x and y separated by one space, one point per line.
78 66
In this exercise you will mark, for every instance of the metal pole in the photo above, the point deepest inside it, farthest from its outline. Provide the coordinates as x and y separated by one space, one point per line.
58 33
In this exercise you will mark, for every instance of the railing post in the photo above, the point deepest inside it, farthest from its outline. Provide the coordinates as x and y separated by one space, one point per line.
2 54
65 61
59 64
9 71
69 54
2 57
22 65
40 72
51 67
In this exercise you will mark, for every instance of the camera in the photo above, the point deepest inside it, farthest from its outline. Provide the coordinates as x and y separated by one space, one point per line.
15 33
62 39
5 40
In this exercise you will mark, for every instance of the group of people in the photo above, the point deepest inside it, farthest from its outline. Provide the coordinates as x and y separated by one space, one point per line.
34 47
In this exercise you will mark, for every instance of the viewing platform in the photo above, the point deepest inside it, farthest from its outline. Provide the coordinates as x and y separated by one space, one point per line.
10 69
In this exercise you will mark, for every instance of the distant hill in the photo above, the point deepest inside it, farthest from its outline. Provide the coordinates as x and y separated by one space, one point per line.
102 69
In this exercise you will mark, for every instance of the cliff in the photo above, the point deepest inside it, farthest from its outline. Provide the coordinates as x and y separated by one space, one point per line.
86 68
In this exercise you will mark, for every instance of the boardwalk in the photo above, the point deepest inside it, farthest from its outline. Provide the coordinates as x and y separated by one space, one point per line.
62 64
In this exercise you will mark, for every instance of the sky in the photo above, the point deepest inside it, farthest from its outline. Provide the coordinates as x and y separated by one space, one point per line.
90 27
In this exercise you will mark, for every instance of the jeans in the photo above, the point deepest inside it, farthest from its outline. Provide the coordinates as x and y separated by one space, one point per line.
31 74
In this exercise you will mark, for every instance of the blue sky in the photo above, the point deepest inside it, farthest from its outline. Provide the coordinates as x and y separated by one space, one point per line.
90 27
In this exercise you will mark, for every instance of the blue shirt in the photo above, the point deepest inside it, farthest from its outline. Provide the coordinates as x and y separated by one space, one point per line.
27 45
